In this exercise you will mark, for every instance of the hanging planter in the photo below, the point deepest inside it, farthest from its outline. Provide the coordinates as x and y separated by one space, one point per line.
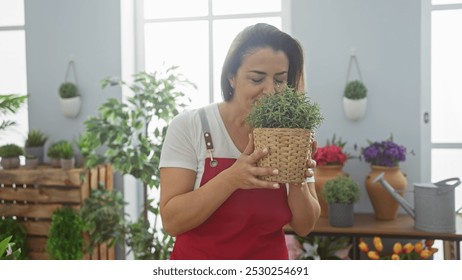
355 95
69 100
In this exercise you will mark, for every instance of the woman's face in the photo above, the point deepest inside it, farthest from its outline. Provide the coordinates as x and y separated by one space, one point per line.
261 72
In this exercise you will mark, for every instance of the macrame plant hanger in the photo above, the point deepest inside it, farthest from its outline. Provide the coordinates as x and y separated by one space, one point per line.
354 108
70 107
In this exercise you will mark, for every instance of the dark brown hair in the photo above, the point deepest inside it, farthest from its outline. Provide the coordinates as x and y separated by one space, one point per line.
262 35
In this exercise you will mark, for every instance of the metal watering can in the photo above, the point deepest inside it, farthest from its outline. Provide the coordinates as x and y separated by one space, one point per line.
434 204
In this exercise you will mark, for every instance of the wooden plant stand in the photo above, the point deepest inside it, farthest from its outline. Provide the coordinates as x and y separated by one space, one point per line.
32 195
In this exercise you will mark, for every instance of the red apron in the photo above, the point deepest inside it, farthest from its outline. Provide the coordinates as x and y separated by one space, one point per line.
248 225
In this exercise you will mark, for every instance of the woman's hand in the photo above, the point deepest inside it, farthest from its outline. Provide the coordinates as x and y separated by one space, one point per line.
244 173
310 162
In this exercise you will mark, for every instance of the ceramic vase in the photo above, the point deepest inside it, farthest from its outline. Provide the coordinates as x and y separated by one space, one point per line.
322 174
385 206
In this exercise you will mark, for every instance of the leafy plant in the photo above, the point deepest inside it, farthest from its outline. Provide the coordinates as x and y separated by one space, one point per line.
341 189
11 150
355 90
36 138
65 240
68 90
285 109
6 249
11 227
9 103
322 247
87 144
132 132
54 151
66 150
103 217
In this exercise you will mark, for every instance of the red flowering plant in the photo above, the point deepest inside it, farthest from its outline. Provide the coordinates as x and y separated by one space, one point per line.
332 153
418 251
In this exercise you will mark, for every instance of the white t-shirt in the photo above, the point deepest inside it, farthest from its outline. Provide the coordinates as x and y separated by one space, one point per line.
184 144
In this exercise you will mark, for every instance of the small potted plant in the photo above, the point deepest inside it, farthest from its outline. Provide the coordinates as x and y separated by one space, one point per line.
35 144
66 155
32 161
340 194
54 154
355 100
283 122
69 99
10 154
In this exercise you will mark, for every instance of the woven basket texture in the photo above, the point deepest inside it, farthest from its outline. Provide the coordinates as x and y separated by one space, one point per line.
288 150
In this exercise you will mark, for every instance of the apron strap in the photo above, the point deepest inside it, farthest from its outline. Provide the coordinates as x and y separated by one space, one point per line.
207 136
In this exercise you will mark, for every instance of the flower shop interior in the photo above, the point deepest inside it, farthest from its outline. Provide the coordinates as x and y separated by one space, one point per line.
410 74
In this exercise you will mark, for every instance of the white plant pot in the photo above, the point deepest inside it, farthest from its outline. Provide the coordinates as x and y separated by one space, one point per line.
354 109
70 106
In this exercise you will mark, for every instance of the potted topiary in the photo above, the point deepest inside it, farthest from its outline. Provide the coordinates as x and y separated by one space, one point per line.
283 122
340 194
69 99
54 154
35 144
355 100
10 155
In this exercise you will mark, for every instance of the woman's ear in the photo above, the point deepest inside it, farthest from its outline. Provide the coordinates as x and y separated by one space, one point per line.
231 81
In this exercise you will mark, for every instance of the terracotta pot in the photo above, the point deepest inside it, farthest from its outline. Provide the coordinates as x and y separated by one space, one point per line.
322 174
385 206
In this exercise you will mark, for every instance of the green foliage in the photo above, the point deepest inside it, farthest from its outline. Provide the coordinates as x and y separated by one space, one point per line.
341 189
6 249
148 245
11 150
54 151
11 227
285 109
68 90
87 144
35 138
65 240
65 149
103 217
355 90
9 103
322 247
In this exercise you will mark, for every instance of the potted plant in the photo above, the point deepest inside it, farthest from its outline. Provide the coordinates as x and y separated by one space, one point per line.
330 160
66 154
69 99
135 149
35 144
54 154
65 240
32 161
355 100
385 156
284 122
10 155
340 194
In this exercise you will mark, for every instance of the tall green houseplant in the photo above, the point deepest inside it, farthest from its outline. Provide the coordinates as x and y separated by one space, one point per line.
132 132
9 103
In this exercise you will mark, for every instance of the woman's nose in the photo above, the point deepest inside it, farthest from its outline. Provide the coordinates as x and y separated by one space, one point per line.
270 87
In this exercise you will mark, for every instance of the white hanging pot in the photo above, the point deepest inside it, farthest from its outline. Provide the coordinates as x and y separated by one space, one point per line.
354 108
70 106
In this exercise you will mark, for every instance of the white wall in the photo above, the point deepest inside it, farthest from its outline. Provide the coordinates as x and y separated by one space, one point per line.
386 37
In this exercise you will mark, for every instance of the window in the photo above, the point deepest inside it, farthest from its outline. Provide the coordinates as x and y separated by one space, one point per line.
13 66
196 37
442 61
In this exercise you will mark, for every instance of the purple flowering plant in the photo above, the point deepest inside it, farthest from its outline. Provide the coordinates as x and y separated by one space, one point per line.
385 153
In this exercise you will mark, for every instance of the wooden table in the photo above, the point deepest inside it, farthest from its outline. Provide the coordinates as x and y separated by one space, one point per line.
365 225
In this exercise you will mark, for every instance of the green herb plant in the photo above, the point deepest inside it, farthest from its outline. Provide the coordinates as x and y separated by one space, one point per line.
68 90
6 249
66 150
65 239
342 189
54 150
10 151
11 227
355 90
36 138
287 108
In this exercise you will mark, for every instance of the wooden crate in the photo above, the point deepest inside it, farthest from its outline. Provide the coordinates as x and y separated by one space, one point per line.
32 195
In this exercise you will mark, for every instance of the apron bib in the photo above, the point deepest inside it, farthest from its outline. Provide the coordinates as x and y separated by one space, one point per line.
248 225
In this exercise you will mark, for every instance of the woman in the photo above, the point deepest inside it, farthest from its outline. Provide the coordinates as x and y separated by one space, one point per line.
211 198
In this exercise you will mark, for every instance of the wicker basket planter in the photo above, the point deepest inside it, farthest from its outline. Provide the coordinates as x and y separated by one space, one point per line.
289 148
